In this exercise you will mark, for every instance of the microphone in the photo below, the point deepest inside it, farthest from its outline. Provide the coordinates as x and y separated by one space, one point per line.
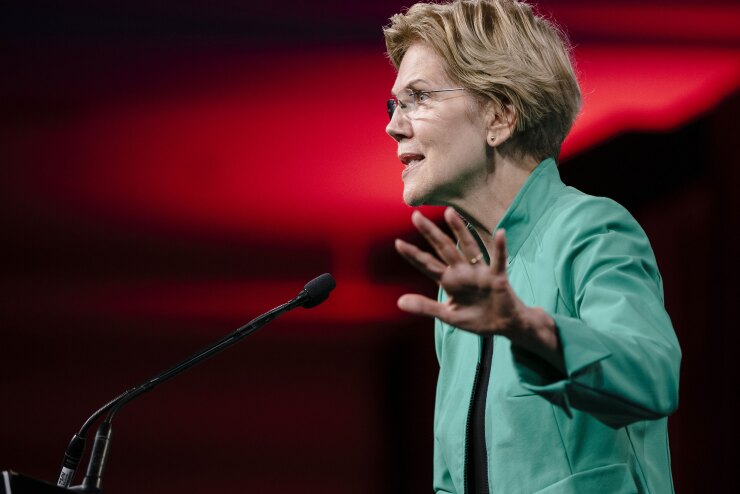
314 293
317 290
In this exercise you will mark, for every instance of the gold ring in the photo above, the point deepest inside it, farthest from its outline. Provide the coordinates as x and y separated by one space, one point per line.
477 259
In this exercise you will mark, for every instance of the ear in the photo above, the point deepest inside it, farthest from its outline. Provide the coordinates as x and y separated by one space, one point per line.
502 119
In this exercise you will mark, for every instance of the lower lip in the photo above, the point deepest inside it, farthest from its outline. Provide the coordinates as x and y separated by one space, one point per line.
409 168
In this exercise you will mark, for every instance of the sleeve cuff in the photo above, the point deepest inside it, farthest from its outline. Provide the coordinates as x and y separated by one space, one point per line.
582 348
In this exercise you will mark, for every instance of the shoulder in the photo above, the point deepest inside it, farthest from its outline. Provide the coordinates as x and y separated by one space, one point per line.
576 211
574 218
585 235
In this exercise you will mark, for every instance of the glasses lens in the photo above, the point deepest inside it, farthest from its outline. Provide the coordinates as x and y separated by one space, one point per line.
391 106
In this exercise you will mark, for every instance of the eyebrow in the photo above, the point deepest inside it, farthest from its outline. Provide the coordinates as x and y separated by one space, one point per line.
411 83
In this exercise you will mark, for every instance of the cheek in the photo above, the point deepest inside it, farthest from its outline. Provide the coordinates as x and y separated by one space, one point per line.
451 145
464 147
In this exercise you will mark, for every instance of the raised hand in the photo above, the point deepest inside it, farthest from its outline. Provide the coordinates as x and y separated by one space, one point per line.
480 298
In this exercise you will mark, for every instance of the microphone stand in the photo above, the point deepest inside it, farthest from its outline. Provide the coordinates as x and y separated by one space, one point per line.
315 292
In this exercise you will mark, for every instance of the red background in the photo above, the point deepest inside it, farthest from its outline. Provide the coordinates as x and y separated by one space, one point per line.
168 172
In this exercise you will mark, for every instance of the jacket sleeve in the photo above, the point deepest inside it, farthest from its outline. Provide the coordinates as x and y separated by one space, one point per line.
620 352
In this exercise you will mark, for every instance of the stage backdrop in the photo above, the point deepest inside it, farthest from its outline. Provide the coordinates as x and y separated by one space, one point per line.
168 172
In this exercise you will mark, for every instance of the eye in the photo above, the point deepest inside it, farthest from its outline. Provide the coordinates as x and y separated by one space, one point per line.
420 96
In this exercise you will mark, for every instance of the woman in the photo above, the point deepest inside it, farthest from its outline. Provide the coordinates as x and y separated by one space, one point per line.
558 362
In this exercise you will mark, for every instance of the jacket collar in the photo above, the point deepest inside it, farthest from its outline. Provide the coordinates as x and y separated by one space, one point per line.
530 203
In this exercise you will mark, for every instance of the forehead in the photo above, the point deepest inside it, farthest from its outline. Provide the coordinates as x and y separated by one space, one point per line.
420 65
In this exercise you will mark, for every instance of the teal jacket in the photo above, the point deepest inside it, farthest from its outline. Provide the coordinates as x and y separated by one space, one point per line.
601 427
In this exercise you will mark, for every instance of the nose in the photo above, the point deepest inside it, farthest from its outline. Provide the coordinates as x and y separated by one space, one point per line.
399 127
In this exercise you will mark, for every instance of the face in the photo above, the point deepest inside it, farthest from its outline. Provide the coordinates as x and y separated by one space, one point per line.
442 144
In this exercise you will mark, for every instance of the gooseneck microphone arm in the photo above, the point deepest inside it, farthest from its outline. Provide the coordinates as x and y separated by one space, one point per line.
209 351
73 454
314 293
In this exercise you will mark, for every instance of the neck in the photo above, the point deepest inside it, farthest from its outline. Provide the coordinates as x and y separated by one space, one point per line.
484 206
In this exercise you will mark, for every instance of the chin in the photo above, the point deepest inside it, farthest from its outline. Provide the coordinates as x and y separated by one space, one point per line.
413 197
422 193
413 202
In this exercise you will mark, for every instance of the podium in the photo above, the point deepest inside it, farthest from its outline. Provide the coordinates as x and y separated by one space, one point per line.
16 483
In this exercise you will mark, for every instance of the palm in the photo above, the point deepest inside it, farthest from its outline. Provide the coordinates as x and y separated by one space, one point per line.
480 298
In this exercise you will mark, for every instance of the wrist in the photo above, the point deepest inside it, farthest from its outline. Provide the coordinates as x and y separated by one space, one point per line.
538 334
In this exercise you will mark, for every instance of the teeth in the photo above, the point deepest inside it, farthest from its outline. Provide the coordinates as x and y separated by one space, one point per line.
411 161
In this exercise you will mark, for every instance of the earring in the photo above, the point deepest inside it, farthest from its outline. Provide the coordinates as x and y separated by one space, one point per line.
492 139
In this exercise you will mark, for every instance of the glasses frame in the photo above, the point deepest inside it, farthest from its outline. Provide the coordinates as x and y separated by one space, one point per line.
393 103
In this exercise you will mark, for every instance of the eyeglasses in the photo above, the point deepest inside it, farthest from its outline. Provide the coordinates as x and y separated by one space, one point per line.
412 100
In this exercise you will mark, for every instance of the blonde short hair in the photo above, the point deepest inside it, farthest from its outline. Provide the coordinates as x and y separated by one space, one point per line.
504 53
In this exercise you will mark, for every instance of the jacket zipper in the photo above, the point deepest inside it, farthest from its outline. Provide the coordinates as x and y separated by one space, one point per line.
478 399
467 426
466 474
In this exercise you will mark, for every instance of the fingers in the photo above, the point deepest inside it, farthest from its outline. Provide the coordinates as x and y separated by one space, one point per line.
421 260
500 255
466 242
465 252
442 244
420 305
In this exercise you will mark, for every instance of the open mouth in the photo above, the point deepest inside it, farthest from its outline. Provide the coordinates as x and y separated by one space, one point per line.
411 161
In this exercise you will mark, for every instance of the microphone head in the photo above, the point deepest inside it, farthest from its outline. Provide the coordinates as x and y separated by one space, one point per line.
318 290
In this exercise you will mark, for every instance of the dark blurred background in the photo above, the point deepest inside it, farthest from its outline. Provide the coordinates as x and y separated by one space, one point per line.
169 170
